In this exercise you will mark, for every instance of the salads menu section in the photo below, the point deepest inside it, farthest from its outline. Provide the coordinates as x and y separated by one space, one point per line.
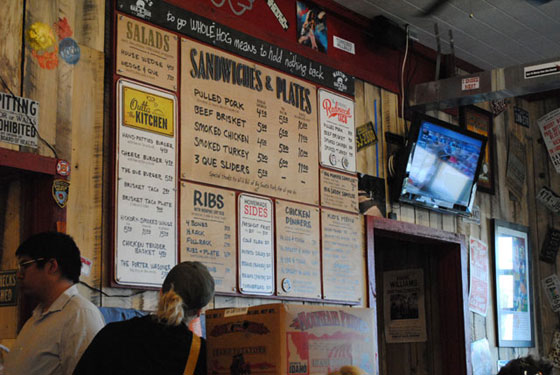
146 195
208 232
246 126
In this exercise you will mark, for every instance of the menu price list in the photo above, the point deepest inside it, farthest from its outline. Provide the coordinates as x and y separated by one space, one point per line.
298 250
247 127
146 207
208 232
344 267
256 247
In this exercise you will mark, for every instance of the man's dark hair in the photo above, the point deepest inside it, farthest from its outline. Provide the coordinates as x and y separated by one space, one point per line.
54 245
527 365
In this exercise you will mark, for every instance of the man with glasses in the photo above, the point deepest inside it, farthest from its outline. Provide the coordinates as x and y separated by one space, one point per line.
64 323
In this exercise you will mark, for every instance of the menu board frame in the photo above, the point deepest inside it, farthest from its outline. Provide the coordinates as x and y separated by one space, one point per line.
242 239
337 131
171 253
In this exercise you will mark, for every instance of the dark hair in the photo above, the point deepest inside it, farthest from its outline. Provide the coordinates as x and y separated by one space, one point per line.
527 366
192 282
54 245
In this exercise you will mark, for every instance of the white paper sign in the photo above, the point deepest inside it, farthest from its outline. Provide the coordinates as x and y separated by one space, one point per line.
405 314
551 286
471 83
338 136
256 246
17 117
478 293
549 125
146 197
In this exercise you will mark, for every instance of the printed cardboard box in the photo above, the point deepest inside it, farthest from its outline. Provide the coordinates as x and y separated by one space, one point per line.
289 339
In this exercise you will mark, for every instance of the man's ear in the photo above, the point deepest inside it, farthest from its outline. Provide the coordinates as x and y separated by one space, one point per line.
52 266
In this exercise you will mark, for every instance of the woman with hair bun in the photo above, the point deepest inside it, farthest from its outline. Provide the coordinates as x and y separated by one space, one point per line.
161 343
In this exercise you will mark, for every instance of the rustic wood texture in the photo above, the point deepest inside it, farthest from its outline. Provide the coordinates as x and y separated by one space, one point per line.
11 29
84 209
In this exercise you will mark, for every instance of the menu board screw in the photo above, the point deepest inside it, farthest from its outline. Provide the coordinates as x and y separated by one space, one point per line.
234 289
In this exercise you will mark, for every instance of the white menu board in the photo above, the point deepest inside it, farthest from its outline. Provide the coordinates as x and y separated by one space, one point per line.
146 193
337 133
256 246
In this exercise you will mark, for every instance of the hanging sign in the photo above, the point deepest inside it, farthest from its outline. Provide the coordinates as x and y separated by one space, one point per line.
521 116
337 133
542 70
146 53
549 125
19 120
404 310
146 188
550 199
551 286
8 288
339 190
256 245
550 246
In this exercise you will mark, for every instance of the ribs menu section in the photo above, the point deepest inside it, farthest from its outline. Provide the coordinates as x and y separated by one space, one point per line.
246 126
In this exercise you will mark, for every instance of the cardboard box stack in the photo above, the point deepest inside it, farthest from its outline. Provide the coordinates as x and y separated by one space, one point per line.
290 339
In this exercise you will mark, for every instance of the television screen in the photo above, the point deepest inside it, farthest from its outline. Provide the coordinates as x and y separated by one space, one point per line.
441 166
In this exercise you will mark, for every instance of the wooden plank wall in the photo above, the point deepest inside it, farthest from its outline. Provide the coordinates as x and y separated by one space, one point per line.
501 205
70 119
72 116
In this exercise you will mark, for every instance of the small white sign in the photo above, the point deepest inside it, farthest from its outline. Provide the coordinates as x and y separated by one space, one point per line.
256 245
471 83
551 286
549 125
338 135
541 70
86 266
18 120
344 45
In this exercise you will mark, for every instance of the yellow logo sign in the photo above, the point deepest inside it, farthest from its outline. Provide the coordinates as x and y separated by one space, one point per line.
148 111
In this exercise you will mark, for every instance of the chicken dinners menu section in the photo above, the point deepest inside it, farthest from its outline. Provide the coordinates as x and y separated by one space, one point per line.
247 126
298 250
146 194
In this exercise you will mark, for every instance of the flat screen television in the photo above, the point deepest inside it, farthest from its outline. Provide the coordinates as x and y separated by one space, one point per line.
438 167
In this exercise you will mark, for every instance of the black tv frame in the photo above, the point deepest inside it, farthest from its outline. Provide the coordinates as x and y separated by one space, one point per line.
401 157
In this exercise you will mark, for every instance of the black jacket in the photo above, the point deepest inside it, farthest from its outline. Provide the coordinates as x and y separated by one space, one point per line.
140 346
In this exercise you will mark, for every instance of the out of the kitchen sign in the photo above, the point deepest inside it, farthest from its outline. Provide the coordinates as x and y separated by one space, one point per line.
146 187
338 137
256 247
17 117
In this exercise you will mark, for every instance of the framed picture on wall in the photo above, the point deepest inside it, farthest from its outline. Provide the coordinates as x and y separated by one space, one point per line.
480 121
512 271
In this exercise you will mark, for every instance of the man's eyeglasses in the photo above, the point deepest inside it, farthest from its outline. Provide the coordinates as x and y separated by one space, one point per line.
23 265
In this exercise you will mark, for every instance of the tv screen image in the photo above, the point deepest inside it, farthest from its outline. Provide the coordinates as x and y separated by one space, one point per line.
441 166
